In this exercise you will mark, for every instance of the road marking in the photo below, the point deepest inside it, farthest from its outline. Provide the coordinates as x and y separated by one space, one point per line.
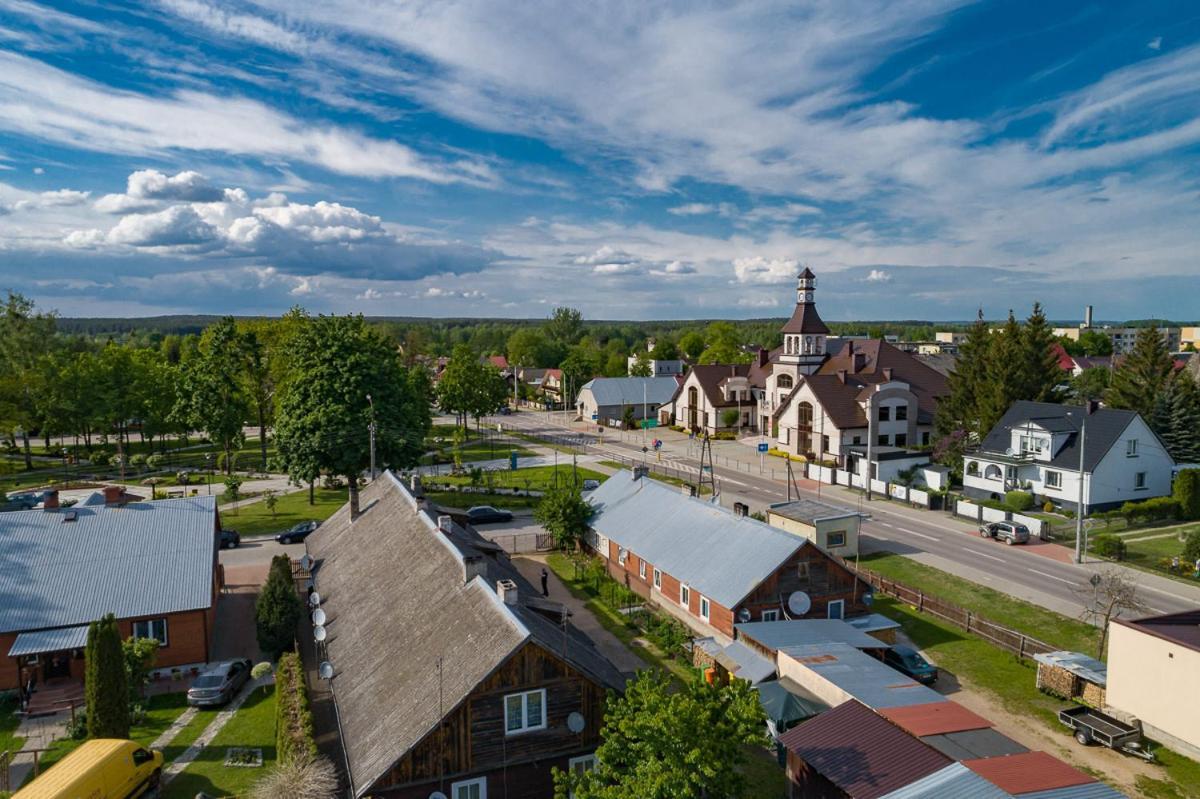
990 557
1053 577
914 532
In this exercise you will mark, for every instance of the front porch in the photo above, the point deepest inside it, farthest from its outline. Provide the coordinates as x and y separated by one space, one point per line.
50 669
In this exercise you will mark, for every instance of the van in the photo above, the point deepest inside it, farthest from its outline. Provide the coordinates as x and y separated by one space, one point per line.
103 768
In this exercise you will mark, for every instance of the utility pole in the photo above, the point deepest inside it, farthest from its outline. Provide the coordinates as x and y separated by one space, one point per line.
371 431
1079 510
870 439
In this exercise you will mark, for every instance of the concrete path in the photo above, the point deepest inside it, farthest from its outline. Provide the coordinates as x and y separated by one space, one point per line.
38 733
210 732
169 733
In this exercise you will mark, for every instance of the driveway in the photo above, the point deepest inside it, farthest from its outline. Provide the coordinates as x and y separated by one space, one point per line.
246 570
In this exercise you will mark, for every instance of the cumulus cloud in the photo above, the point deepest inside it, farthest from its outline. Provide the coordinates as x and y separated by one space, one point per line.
878 276
60 198
679 268
760 270
605 255
1155 43
700 209
629 268
177 226
777 214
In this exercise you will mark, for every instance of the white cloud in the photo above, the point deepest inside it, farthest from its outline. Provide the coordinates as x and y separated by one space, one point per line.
679 268
606 255
37 170
1155 43
878 276
777 214
369 294
760 270
188 185
177 226
701 209
617 269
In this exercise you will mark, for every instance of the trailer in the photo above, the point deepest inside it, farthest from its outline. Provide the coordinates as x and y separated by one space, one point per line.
1091 726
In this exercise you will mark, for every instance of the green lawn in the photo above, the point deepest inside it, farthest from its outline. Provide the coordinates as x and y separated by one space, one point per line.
536 478
765 778
253 726
255 519
662 478
454 499
9 722
190 732
1034 621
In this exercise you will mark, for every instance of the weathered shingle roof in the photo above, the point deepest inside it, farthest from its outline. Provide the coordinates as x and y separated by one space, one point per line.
1104 428
629 390
139 559
406 627
721 555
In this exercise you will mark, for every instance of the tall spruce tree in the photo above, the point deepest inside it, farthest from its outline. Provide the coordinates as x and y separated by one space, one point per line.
1182 435
959 411
1043 375
1142 374
278 609
106 688
1007 374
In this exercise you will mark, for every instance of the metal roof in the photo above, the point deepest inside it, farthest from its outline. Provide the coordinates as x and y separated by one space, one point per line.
1182 628
745 664
630 390
970 744
955 781
861 676
1093 790
1078 664
35 643
721 555
137 559
801 632
935 718
809 511
1028 772
862 753
872 623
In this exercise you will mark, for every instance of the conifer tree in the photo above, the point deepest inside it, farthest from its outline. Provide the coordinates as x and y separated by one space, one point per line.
1043 375
106 689
959 411
1182 435
278 609
1142 374
1006 372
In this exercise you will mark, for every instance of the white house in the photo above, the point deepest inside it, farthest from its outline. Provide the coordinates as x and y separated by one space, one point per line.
659 367
1036 446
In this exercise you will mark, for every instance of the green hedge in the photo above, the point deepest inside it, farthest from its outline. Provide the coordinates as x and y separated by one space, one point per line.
1019 501
293 721
1187 493
1107 545
1152 510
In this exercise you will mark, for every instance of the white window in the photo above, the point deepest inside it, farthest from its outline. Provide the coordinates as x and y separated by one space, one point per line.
1131 448
151 628
835 538
1139 481
993 472
685 595
469 789
525 711
658 579
802 570
578 765
1053 479
836 609
642 569
1032 445
622 555
704 607
770 615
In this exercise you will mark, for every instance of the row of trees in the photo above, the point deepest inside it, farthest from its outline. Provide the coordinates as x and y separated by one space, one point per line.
1146 381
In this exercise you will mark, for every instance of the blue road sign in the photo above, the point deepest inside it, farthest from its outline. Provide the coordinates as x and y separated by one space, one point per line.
595 417
763 447
512 460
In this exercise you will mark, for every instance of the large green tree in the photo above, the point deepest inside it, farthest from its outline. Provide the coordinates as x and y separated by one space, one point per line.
26 337
529 346
723 344
211 393
565 514
1090 384
278 609
1141 375
565 327
663 742
1181 431
344 377
691 344
1042 376
106 685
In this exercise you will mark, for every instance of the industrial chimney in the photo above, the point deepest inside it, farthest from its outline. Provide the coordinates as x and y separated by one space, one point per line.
1087 316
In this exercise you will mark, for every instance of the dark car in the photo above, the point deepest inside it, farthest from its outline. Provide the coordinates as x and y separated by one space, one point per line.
297 533
220 684
590 485
907 660
505 410
1008 532
230 539
26 500
486 514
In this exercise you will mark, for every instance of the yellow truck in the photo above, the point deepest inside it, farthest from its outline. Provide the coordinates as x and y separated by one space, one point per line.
103 768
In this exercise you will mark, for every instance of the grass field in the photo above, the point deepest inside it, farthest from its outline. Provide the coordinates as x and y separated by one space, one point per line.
1034 621
662 478
535 478
256 520
253 726
453 499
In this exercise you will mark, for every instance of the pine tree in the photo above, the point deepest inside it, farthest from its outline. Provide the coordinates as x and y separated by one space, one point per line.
278 609
106 689
1142 374
1007 374
1043 374
1183 428
959 411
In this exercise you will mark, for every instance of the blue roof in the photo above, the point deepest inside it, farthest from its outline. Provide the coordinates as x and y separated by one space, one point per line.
721 555
1089 790
631 390
779 634
137 559
35 643
861 676
955 781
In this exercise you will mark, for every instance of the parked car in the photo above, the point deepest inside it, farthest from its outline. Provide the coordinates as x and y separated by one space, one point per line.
505 410
591 485
24 500
1008 532
220 684
230 539
486 514
104 768
907 660
297 533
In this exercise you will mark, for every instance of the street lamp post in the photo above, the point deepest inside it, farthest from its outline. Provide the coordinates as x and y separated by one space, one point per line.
1079 509
371 432
66 475
208 459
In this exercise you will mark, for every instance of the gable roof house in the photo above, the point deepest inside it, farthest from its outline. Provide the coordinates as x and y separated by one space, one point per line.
707 392
605 399
712 567
451 673
151 564
1037 446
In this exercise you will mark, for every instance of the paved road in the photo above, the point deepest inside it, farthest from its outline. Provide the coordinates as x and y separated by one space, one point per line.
935 538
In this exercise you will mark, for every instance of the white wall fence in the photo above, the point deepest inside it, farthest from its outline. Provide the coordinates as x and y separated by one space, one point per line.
982 513
896 491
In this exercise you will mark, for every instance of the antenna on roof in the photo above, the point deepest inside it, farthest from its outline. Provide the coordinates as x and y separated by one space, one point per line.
319 633
314 599
318 617
325 670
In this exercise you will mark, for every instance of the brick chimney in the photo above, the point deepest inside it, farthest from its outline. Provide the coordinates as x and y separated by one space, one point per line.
50 499
113 494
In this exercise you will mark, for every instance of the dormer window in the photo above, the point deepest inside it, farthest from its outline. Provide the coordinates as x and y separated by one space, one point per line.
1033 445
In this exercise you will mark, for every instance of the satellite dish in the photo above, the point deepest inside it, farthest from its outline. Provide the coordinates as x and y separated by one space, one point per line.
1009 451
868 599
799 603
319 633
306 563
314 599
744 615
325 670
575 722
437 795
318 617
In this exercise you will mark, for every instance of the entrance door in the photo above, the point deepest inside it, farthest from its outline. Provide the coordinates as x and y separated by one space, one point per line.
693 401
56 664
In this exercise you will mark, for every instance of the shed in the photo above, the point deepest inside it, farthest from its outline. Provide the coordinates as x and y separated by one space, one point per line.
838 672
831 527
787 704
1072 675
955 781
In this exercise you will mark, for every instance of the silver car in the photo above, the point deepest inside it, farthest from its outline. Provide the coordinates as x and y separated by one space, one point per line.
219 684
1008 532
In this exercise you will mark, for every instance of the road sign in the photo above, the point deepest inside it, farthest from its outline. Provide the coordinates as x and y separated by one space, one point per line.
763 447
512 460
648 423
595 417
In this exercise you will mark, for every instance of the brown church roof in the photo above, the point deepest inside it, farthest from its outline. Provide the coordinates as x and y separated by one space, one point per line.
805 319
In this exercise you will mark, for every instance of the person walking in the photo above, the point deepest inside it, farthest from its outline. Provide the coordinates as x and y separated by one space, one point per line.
545 582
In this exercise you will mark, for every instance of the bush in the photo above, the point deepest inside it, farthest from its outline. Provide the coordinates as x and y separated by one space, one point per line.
1187 493
1107 545
278 609
1018 500
1048 507
227 464
1191 547
101 458
724 435
138 461
293 718
154 462
1152 510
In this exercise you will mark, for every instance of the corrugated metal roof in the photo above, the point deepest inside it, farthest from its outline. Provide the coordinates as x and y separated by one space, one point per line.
971 744
1094 790
810 510
139 559
861 676
747 664
630 390
1078 664
872 623
36 643
935 718
861 752
801 632
721 555
1028 772
955 781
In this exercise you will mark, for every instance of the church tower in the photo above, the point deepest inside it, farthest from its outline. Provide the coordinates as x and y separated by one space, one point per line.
804 334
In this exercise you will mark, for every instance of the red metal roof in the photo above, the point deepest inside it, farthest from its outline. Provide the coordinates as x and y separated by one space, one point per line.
861 752
1027 772
935 718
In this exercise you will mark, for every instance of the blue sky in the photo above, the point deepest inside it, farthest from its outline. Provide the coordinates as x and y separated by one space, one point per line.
635 160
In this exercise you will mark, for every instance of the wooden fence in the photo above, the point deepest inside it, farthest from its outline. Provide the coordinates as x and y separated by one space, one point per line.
1006 638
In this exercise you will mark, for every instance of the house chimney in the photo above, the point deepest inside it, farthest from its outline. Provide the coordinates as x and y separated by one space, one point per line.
414 483
1091 407
763 355
113 494
507 590
50 499
445 524
741 509
473 566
